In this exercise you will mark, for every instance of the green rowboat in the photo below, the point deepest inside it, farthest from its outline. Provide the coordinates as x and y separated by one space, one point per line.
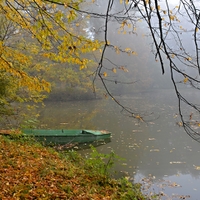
63 137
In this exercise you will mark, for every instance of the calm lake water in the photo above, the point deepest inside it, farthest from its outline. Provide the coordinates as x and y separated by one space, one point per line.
158 152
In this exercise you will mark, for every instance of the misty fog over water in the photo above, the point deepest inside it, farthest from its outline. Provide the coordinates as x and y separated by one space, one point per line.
158 148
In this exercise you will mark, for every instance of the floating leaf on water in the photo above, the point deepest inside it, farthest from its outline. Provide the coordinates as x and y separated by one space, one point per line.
124 164
154 150
136 130
197 167
152 139
174 185
177 162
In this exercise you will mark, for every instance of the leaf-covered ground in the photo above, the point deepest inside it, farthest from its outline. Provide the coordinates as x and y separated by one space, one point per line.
31 171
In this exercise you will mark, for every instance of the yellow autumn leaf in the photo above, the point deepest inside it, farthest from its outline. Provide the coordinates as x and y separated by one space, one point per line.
114 70
65 5
117 50
139 117
123 68
189 58
128 49
173 56
121 1
185 80
105 74
134 52
172 17
123 24
82 67
158 7
196 29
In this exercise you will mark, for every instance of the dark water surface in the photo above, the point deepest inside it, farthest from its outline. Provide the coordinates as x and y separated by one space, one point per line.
159 151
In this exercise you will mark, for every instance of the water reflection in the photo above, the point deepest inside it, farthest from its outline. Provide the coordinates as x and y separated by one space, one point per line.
160 147
82 146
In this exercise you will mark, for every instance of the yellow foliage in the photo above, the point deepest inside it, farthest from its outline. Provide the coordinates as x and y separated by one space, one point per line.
134 53
173 56
105 74
172 17
138 117
44 27
185 80
117 49
128 49
123 68
114 70
82 67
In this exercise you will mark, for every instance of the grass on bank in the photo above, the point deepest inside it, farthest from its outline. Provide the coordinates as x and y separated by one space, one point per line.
30 171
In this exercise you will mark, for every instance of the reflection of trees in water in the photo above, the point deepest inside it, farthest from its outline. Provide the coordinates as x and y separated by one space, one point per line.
155 148
71 114
159 148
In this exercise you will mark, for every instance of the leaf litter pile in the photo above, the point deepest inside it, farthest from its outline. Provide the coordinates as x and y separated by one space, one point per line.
31 171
